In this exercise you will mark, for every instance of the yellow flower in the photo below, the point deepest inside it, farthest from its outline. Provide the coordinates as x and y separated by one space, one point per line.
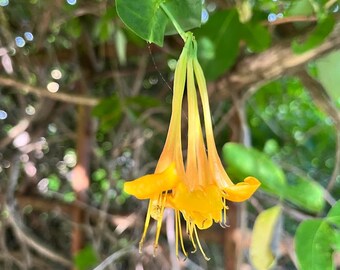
241 191
170 167
202 197
200 189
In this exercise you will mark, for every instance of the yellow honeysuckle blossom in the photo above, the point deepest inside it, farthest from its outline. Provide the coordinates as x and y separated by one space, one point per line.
199 190
170 170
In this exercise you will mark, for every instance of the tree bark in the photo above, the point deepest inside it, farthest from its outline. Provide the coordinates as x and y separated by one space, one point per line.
80 175
258 69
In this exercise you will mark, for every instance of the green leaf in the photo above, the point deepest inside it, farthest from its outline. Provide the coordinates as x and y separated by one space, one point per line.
319 34
242 162
135 106
104 30
145 18
301 7
305 193
73 28
142 102
265 238
256 36
148 20
105 27
218 42
86 258
187 13
328 73
313 245
336 241
109 112
333 215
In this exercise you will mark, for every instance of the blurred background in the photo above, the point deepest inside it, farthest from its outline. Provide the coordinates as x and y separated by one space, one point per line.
85 105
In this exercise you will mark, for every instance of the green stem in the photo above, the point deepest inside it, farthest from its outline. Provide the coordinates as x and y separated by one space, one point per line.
174 22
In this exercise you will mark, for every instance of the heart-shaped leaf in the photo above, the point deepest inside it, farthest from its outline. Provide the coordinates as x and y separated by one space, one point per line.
148 20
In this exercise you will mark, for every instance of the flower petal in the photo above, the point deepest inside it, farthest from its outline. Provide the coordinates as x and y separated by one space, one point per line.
151 185
243 190
205 200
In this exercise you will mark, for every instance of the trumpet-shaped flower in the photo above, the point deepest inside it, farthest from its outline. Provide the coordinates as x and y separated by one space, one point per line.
241 191
199 190
170 170
202 199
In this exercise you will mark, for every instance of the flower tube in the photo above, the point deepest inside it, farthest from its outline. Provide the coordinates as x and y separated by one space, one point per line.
170 167
241 191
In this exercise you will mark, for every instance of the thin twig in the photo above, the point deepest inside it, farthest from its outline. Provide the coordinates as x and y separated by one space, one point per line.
41 92
15 131
258 69
293 19
115 256
33 243
301 173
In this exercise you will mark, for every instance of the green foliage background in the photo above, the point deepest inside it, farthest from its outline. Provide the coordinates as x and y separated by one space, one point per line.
117 61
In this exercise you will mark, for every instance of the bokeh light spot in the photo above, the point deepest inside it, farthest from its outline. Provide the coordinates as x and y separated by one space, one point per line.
3 115
56 74
28 36
30 110
211 7
52 128
272 17
204 16
30 169
21 140
20 42
53 87
4 3
43 185
72 2
172 63
70 159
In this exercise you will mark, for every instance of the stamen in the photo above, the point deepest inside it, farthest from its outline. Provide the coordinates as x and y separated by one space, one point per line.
187 229
224 214
192 227
180 233
146 225
199 245
176 233
159 224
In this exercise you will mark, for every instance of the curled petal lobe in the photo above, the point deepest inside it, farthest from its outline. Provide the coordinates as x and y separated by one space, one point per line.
201 221
151 185
243 190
